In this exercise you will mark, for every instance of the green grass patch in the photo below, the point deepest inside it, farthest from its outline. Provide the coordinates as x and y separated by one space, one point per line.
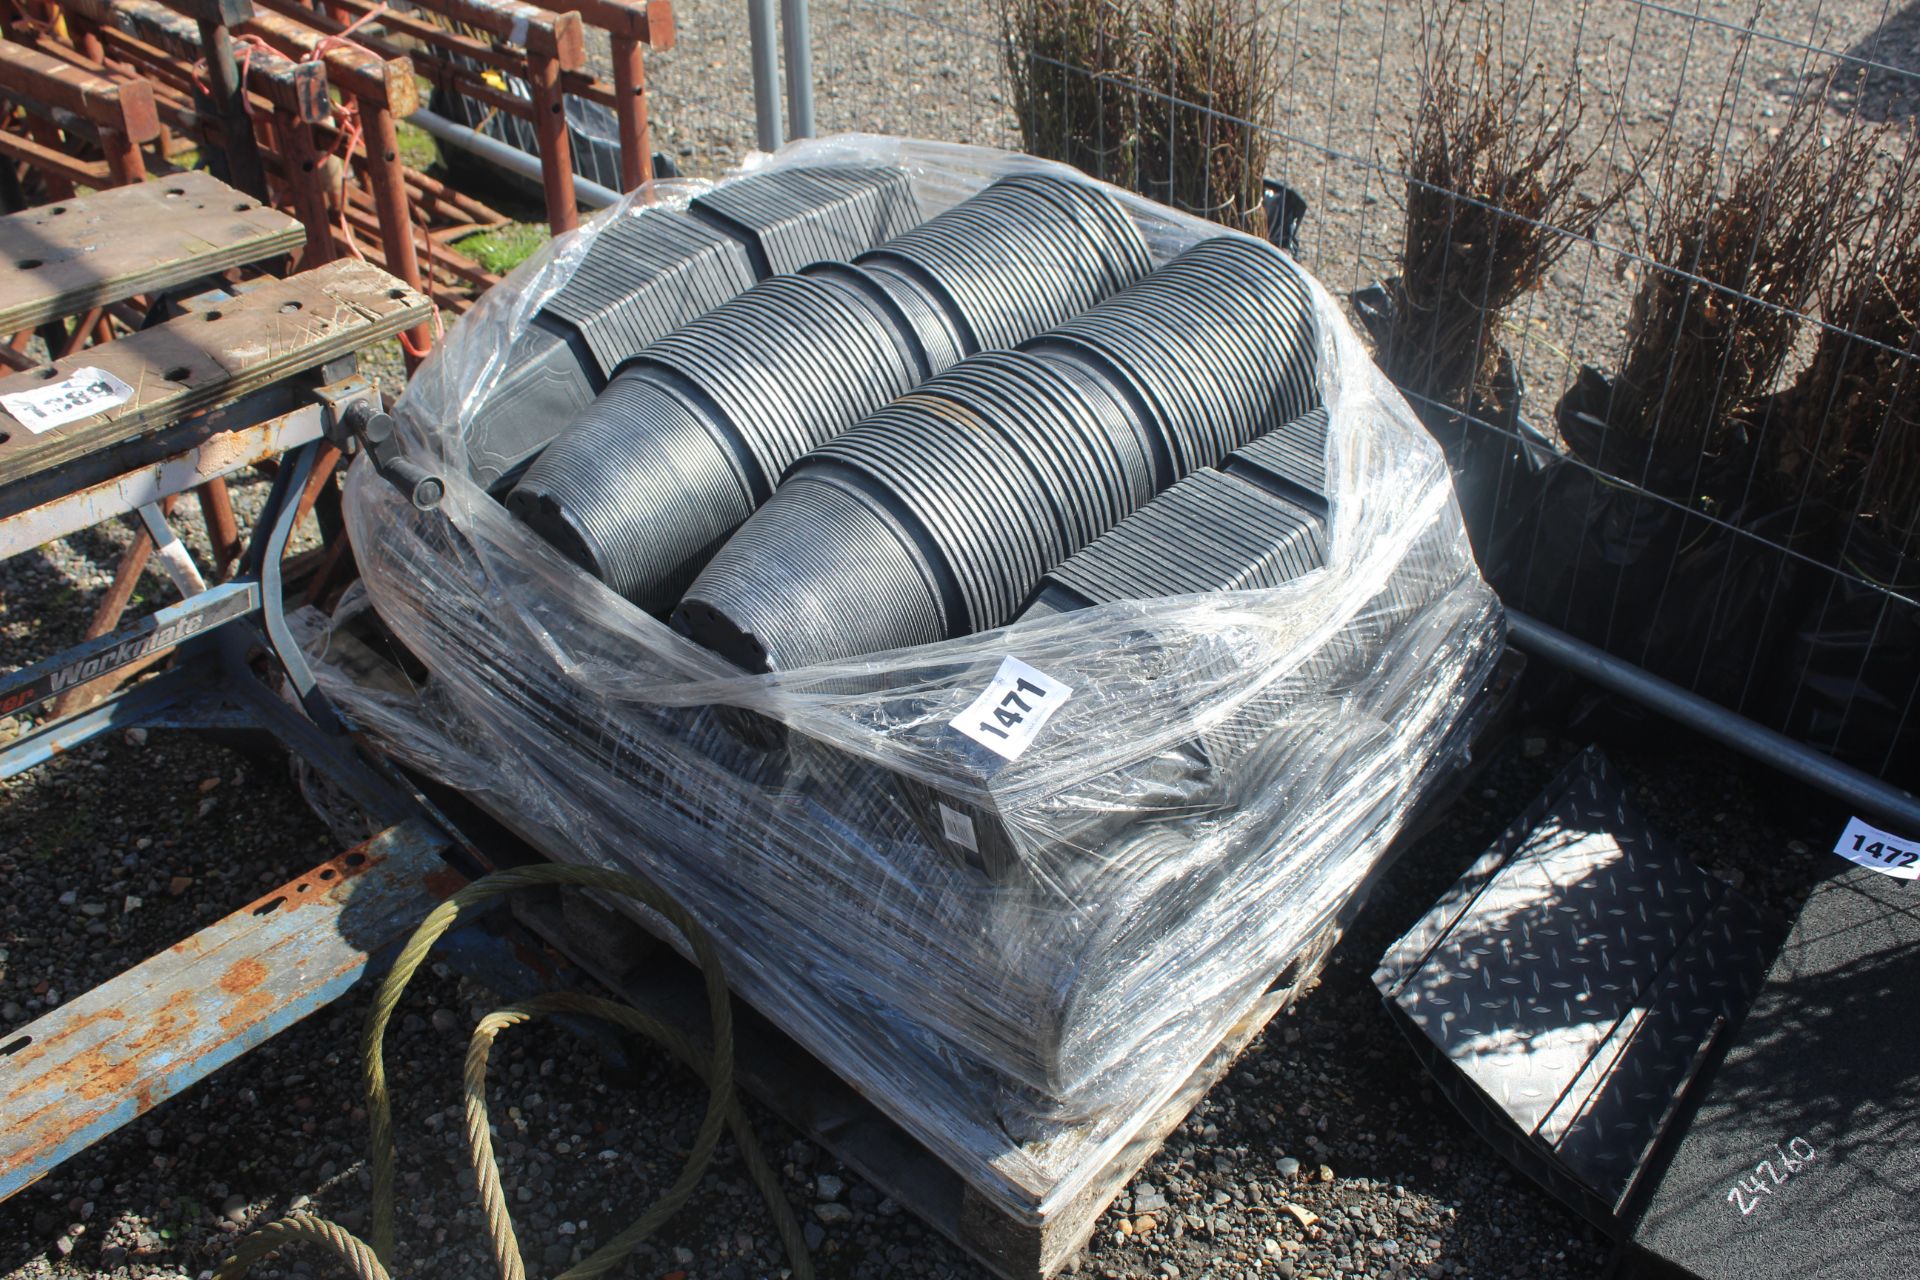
505 247
60 838
418 150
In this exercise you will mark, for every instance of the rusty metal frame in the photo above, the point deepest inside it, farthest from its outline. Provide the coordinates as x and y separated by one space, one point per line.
216 638
228 91
383 90
631 26
545 48
84 1070
220 454
288 84
79 1073
118 109
108 1057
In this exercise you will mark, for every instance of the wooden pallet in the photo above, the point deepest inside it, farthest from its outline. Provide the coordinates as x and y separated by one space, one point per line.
771 1067
776 1070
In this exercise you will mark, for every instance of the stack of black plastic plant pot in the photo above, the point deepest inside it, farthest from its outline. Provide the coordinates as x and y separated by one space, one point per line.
699 428
651 271
964 494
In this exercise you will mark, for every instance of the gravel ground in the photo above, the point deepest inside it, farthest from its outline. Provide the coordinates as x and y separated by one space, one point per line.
1326 1114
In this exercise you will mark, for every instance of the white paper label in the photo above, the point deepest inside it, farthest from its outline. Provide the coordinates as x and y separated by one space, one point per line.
1012 710
1871 847
81 394
957 827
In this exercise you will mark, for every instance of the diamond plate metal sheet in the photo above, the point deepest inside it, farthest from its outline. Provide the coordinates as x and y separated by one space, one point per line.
1573 977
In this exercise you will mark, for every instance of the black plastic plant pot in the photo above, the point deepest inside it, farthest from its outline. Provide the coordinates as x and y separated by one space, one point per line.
922 348
1213 531
823 571
942 344
1848 676
550 377
638 490
643 276
790 364
682 446
1701 600
1493 453
1214 348
640 277
1290 461
973 486
1650 565
1019 257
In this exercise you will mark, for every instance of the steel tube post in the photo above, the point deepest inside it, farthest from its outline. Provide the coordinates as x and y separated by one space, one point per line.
766 74
306 182
556 152
230 101
216 507
796 31
391 206
636 135
123 157
1711 720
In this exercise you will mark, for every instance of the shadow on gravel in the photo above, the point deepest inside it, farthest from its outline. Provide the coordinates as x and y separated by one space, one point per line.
1882 79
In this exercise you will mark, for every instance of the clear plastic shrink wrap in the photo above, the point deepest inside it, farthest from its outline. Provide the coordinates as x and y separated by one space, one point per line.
1016 1018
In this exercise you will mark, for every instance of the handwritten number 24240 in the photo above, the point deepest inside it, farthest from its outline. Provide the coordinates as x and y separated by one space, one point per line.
1745 1194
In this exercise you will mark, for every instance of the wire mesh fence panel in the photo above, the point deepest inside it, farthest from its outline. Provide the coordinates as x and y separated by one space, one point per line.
1650 271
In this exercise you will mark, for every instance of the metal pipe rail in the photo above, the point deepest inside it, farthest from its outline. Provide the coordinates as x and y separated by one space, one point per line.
512 159
1711 720
766 74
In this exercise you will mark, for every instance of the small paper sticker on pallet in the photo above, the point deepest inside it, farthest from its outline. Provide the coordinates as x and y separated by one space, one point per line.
82 394
1013 708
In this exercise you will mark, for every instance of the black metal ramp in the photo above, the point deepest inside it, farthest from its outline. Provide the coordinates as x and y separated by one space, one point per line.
1569 987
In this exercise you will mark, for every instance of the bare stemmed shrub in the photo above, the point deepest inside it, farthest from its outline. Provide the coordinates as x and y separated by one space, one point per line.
1848 431
1890 480
1717 312
1170 98
1495 196
1070 65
